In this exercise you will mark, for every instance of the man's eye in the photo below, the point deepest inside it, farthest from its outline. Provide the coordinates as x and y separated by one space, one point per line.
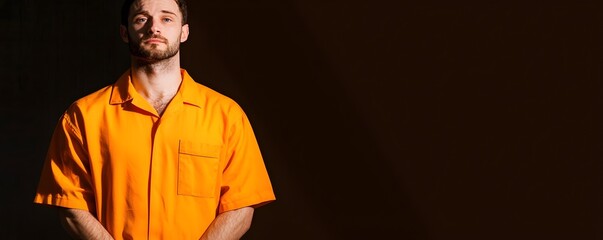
140 20
168 20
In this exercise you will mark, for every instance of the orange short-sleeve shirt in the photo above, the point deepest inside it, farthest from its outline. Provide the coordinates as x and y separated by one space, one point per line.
149 177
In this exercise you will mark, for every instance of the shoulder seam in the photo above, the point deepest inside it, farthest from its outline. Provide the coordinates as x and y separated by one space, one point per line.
73 128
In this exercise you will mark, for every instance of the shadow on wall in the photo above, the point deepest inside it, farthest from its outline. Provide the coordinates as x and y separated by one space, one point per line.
331 179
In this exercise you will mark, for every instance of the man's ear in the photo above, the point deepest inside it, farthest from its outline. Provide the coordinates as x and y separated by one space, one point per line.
184 33
123 33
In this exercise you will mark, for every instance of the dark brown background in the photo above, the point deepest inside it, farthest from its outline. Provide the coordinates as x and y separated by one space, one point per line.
430 120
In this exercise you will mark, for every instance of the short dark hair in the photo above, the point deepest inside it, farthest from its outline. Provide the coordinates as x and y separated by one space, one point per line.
125 11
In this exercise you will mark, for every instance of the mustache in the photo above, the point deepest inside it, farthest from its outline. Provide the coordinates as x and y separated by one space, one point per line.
157 36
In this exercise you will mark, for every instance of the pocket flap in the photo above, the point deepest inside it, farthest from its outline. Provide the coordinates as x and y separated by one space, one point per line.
199 149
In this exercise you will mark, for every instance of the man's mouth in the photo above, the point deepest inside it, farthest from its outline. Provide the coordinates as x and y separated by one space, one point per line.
154 40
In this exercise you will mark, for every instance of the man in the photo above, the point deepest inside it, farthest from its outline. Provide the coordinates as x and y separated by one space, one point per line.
155 155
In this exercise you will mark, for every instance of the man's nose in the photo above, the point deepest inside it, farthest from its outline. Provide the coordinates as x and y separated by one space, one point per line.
154 26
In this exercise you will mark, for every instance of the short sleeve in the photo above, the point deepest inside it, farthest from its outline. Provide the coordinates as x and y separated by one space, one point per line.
65 179
245 179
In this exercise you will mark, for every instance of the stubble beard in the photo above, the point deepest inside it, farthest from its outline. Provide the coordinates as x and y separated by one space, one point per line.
151 53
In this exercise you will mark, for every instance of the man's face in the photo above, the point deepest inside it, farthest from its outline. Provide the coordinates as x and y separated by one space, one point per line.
154 30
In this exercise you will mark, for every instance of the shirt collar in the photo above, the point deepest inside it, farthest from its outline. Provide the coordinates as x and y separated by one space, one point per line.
188 90
123 90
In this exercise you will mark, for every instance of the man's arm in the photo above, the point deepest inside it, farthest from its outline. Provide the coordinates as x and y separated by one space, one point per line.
80 224
229 225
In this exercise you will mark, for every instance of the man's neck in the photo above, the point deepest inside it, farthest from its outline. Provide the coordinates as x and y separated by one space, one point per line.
157 82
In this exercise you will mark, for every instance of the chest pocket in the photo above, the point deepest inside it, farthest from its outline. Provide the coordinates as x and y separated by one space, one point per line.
198 165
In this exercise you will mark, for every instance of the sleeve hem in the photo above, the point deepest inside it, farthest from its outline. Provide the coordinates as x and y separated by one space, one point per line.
255 200
61 202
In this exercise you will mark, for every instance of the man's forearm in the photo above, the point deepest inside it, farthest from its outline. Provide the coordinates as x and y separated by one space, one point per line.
229 225
80 224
